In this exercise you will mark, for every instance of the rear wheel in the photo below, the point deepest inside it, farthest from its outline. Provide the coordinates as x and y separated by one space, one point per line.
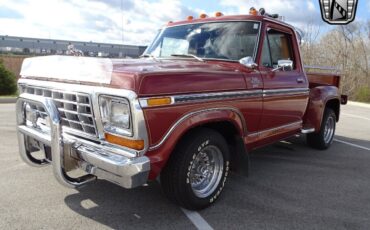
197 170
324 138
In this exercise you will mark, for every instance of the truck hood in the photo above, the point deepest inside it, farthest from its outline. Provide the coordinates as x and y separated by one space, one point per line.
144 76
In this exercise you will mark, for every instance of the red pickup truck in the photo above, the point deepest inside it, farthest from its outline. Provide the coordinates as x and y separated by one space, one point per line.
205 93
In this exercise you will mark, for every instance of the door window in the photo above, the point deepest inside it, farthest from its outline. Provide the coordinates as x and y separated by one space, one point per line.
277 46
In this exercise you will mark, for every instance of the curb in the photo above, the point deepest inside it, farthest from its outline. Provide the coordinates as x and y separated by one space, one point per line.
8 100
359 104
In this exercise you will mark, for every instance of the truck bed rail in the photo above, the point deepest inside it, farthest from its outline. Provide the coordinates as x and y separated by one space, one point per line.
323 68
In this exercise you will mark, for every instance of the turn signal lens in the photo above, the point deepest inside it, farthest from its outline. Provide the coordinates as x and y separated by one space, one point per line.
219 14
159 101
203 16
190 18
132 144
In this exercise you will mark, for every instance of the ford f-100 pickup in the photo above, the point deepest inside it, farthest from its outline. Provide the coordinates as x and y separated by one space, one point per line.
204 94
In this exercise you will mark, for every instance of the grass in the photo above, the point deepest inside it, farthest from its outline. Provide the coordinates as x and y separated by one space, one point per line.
7 96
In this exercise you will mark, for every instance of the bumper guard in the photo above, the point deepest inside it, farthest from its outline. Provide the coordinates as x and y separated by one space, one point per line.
95 159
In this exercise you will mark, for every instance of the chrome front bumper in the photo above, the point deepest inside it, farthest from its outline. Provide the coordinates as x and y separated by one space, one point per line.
69 152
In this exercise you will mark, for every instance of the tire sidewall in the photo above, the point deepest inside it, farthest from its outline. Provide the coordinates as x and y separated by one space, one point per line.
192 152
329 113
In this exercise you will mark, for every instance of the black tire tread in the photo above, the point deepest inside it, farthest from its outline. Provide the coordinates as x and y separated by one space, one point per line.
316 140
175 168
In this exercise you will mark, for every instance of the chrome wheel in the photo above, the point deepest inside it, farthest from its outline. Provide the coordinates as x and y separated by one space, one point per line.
329 130
206 171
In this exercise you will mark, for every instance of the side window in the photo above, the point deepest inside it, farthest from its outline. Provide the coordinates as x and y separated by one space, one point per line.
266 55
280 46
276 46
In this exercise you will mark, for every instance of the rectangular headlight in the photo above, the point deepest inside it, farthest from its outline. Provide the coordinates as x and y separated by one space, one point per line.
116 115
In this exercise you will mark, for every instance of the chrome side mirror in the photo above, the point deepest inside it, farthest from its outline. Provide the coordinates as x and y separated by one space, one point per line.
248 62
285 65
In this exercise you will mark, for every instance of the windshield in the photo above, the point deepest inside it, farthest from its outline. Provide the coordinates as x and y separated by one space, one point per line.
216 40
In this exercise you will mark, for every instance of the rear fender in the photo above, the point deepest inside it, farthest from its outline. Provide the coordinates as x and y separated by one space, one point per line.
160 152
319 98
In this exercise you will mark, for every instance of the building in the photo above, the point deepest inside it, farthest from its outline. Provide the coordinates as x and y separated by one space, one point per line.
38 46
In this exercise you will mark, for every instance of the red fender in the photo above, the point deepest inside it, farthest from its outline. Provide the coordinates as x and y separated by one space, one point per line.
319 97
160 153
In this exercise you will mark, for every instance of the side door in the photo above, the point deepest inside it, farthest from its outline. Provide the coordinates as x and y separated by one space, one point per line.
285 93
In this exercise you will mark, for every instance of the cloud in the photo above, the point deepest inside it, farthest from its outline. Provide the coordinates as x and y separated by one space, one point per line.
295 12
137 23
124 4
91 20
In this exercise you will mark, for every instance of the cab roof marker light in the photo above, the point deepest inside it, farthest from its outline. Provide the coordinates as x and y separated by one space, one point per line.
253 11
190 18
219 14
203 16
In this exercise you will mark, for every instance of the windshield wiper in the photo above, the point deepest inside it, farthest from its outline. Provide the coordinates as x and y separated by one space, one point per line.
149 56
188 55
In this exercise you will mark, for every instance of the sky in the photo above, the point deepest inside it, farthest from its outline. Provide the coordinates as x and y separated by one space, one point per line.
136 22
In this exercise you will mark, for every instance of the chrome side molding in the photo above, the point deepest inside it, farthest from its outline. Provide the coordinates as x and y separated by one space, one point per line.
242 94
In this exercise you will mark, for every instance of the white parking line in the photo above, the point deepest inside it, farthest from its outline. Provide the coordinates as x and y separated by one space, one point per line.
197 220
359 104
353 145
355 116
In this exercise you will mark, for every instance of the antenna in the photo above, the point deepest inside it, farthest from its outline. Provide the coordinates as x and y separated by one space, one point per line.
122 18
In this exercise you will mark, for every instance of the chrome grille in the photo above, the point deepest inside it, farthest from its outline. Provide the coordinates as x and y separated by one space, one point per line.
75 108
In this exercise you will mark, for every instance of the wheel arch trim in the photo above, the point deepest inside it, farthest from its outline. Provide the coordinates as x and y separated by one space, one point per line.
242 128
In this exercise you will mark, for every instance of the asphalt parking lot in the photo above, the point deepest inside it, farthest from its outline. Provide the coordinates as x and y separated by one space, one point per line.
290 187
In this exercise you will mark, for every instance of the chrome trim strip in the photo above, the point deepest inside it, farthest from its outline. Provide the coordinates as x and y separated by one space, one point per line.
286 92
276 128
174 126
216 96
205 97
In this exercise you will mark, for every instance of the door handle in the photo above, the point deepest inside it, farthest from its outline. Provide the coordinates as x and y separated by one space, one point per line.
300 80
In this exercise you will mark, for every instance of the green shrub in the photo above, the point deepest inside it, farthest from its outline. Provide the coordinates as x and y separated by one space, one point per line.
363 94
8 82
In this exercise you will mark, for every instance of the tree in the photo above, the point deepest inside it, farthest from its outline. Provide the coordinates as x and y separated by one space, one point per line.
8 82
346 48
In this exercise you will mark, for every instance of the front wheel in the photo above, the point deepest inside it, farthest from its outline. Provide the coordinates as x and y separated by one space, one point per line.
324 138
197 170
